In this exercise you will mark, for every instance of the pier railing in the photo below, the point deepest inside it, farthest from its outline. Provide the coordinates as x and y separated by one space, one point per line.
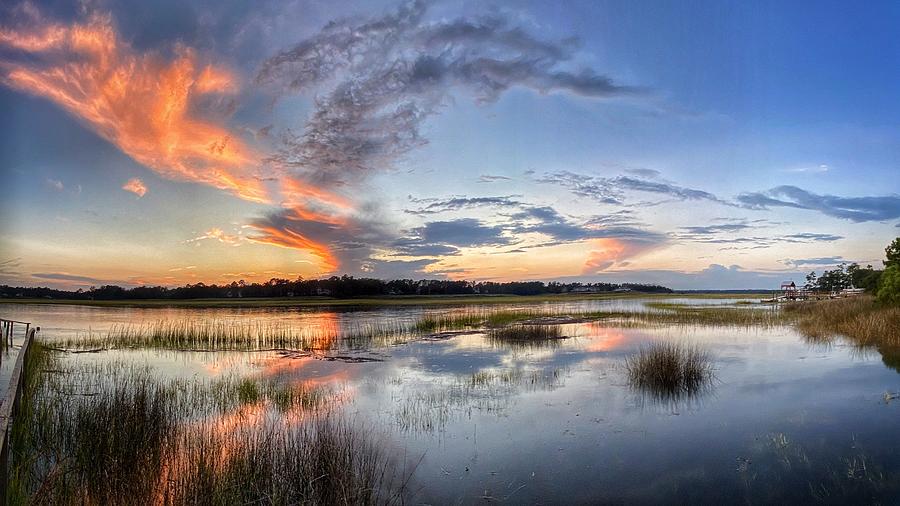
10 407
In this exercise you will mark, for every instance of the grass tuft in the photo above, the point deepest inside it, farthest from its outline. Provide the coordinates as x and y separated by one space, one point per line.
670 370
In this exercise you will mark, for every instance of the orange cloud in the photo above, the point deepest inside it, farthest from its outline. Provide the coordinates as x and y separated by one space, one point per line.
218 234
142 103
278 236
307 202
608 252
135 186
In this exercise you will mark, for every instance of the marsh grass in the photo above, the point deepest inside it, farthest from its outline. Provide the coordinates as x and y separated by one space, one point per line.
263 335
858 318
253 335
665 313
115 434
669 370
479 318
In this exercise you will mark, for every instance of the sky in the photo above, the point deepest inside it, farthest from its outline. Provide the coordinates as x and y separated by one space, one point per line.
716 145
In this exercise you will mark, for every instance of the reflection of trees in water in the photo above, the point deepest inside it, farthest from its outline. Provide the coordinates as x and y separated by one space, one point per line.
890 355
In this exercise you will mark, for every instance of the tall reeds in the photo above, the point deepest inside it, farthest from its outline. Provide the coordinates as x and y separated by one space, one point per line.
669 370
98 434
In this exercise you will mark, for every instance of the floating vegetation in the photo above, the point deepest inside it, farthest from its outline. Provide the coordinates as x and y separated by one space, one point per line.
431 408
668 370
115 434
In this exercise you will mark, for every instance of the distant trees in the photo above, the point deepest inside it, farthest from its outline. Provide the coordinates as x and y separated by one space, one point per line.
335 286
844 276
811 281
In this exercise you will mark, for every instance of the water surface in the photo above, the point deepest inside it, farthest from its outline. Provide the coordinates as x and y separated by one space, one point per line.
786 419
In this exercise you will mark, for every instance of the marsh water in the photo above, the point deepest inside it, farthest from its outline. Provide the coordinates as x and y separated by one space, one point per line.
472 420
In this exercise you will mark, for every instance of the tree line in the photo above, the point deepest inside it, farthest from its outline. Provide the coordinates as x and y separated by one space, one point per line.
884 283
335 286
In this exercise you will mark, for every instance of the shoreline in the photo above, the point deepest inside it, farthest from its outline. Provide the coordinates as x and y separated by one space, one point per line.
399 300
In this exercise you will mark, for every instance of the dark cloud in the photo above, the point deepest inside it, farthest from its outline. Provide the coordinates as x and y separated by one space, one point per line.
736 233
464 232
398 269
416 248
810 237
855 209
545 220
379 78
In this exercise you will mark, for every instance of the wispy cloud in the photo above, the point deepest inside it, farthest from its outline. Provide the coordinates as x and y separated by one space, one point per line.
10 266
810 169
380 78
219 235
857 209
63 276
135 186
376 81
490 178
611 190
56 184
434 206
812 262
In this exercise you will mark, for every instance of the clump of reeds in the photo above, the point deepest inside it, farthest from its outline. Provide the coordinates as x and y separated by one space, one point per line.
670 370
521 332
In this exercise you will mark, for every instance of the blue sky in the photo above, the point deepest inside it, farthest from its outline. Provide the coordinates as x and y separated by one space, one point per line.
697 145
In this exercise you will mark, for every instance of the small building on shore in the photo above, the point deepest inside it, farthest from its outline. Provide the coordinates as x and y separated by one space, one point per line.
789 290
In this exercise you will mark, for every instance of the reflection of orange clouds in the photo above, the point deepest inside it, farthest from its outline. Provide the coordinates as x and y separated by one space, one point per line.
604 338
281 367
140 103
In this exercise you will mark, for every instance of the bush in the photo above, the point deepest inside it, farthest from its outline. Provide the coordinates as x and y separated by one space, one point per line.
889 286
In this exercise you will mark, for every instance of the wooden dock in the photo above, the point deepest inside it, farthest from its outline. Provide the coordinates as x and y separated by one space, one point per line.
10 403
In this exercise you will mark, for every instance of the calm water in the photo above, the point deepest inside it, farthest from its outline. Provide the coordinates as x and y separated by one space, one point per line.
786 420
